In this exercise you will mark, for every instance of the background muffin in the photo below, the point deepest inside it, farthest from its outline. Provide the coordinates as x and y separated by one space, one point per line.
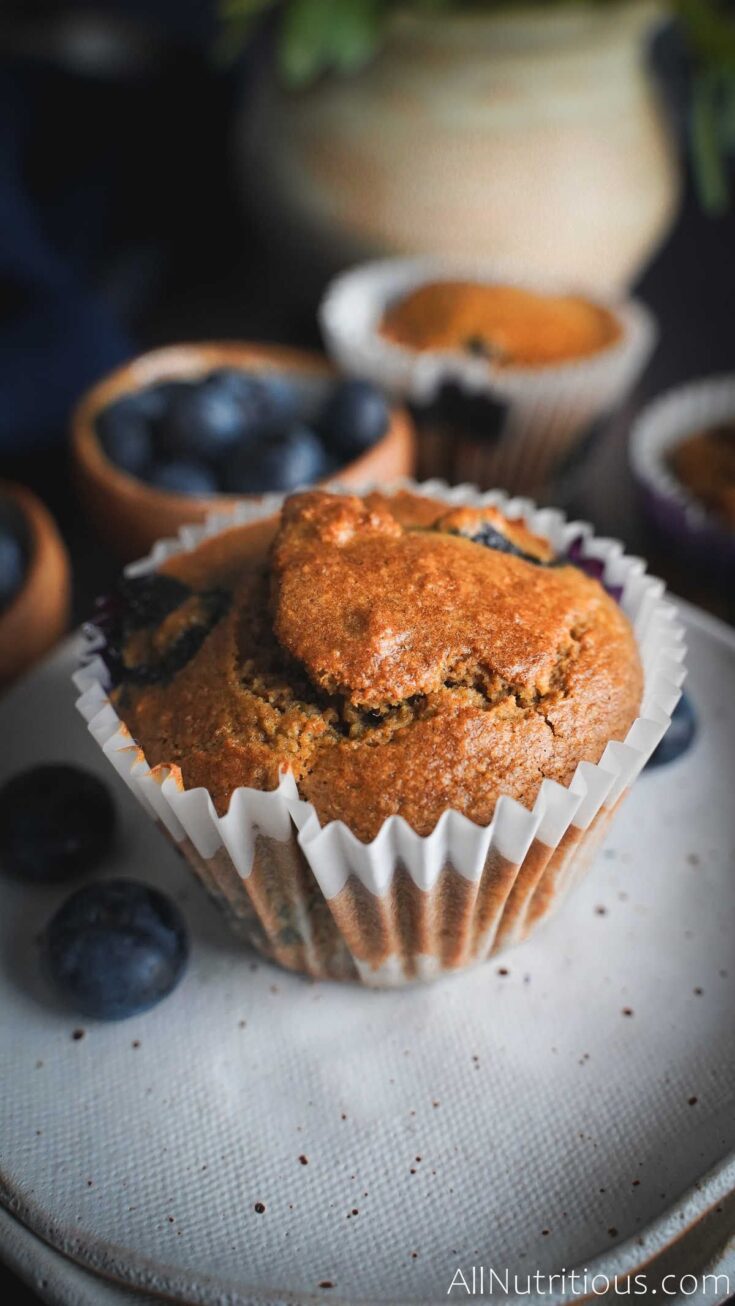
681 454
704 463
506 372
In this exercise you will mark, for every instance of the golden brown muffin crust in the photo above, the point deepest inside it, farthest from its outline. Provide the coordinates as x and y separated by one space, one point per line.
511 326
392 663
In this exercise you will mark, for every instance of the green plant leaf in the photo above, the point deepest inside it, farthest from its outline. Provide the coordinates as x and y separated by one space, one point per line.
237 19
317 35
305 41
356 34
710 30
707 160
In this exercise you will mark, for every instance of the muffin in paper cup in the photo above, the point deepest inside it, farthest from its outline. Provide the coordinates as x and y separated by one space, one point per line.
480 420
404 906
684 522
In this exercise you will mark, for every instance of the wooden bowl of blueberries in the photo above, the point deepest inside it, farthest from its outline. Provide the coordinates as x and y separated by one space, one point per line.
190 429
35 587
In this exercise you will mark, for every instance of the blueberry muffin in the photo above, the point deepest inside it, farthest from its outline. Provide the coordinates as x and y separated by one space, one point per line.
396 656
362 723
504 378
704 463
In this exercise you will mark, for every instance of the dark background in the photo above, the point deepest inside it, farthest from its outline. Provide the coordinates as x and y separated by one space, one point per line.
121 228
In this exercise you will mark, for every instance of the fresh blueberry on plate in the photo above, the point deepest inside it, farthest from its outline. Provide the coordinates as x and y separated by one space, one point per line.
356 416
181 476
680 735
283 463
116 948
14 549
56 821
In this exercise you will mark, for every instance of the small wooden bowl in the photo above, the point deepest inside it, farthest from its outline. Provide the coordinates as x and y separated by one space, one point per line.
130 515
39 614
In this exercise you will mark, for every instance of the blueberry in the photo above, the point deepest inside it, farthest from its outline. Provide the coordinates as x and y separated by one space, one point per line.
142 602
283 399
213 605
56 821
15 549
125 433
356 416
491 538
270 400
148 599
204 420
116 948
592 567
156 399
129 446
182 477
679 736
282 463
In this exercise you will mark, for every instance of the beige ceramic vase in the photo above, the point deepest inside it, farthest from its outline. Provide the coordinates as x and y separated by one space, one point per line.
531 133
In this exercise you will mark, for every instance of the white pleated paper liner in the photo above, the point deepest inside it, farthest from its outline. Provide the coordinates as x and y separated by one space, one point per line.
404 906
548 408
679 516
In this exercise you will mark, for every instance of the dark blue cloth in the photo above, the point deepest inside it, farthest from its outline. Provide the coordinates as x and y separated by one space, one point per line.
57 335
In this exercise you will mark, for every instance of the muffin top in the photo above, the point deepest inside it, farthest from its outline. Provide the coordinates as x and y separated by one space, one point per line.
705 465
510 326
396 654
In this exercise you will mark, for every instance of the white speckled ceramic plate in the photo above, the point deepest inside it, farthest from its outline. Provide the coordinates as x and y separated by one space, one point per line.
570 1106
53 1277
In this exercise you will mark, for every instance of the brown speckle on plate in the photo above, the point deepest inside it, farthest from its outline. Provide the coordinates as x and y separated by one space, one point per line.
78 1034
259 1208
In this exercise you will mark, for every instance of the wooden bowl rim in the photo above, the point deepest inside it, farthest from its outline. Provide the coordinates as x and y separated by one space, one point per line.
170 362
47 549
